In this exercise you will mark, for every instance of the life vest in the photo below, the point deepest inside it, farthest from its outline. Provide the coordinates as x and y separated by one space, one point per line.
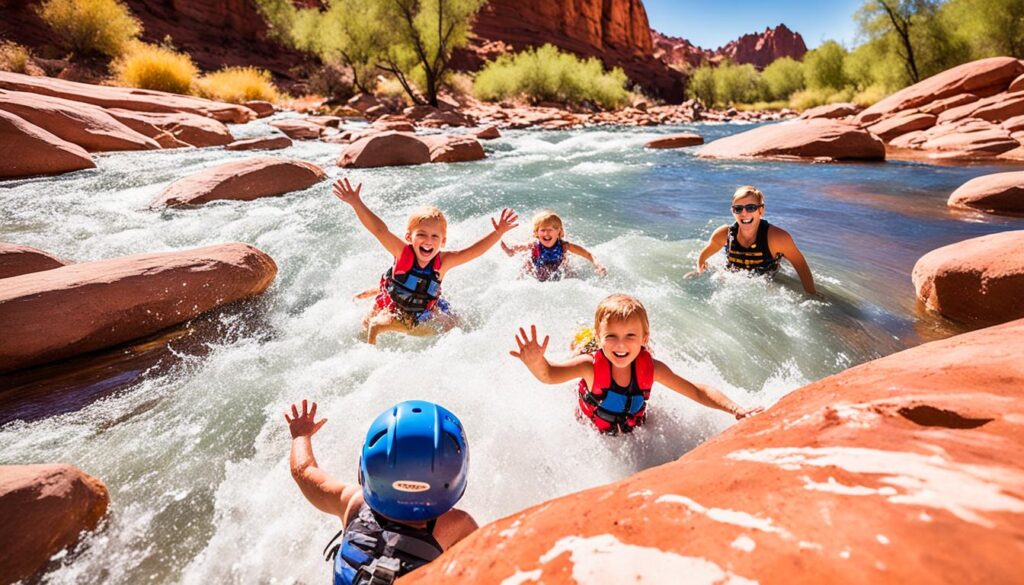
547 261
758 257
409 287
611 407
376 551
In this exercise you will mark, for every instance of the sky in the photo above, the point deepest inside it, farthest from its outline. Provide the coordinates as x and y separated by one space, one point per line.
711 24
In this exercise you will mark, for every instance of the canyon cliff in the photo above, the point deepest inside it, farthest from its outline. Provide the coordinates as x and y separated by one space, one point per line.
758 49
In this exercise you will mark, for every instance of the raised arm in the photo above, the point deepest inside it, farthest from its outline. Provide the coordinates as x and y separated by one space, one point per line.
780 241
506 222
716 243
343 190
512 250
531 353
583 252
705 395
323 491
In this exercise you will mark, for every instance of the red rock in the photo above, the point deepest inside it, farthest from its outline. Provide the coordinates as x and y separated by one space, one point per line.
192 129
977 77
890 128
487 133
760 50
16 260
811 139
1001 193
263 143
831 111
939 106
442 119
28 150
447 148
679 53
45 508
385 149
75 309
82 124
1017 154
912 140
242 180
1014 124
874 475
1008 106
298 129
142 100
1016 85
325 121
262 108
969 139
681 140
383 125
363 102
978 281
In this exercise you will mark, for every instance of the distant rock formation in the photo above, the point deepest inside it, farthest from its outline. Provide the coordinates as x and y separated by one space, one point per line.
758 49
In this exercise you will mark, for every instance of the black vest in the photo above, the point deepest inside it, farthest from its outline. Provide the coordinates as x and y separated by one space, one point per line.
375 550
757 257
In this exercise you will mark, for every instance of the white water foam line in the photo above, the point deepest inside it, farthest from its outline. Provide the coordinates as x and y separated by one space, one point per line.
931 481
603 559
726 516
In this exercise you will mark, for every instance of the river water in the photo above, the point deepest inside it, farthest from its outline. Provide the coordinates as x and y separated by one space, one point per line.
187 431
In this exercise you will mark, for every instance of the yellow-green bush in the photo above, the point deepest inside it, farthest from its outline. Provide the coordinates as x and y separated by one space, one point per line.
104 27
238 85
13 57
547 74
810 98
152 67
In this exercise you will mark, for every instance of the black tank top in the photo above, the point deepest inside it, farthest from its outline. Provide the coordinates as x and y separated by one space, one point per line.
758 257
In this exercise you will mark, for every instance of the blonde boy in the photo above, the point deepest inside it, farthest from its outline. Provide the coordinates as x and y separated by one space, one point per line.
410 291
615 382
548 250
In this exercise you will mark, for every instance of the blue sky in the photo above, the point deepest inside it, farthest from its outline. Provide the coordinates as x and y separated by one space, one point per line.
711 24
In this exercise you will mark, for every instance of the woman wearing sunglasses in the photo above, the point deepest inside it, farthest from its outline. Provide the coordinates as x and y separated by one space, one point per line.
751 243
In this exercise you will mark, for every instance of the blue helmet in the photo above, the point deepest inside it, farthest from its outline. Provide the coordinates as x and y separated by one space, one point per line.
414 462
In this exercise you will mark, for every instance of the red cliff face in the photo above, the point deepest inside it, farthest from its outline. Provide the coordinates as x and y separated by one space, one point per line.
757 49
679 53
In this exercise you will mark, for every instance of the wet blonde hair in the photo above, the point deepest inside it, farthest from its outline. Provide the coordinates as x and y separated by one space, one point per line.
748 191
547 217
620 307
421 214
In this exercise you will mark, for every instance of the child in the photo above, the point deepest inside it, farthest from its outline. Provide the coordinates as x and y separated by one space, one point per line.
547 252
412 472
615 382
410 291
752 244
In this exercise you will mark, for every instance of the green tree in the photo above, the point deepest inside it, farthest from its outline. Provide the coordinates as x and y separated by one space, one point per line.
823 67
702 85
782 78
736 84
988 28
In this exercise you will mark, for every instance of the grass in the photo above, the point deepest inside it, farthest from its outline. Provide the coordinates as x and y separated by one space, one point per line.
104 27
13 57
159 68
238 85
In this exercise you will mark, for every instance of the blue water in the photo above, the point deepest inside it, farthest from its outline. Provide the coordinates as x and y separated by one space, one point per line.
187 431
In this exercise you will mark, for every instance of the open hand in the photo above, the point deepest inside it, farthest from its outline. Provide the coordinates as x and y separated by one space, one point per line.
692 274
343 190
506 222
742 413
530 352
303 425
601 270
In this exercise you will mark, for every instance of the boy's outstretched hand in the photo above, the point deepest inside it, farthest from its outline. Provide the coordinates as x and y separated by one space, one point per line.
530 352
743 413
343 190
506 222
302 425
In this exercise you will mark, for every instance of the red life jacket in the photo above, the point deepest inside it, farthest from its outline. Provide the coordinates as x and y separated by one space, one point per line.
612 408
409 287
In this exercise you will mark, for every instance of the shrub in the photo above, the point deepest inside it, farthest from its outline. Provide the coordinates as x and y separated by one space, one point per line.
238 85
547 74
736 84
13 57
782 78
333 82
810 98
823 67
104 27
152 67
702 85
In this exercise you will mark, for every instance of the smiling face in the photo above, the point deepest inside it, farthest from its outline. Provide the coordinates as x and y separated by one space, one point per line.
548 234
622 339
748 218
427 238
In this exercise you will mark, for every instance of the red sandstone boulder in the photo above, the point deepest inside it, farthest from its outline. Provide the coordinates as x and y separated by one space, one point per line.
906 469
45 508
242 180
17 260
27 150
363 102
831 111
299 129
262 143
396 124
142 100
487 133
82 124
903 123
190 129
262 108
811 139
984 77
325 121
442 119
385 149
978 281
970 138
998 193
939 106
83 307
680 140
447 148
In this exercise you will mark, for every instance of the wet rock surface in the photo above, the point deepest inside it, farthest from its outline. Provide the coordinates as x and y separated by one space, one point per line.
27 150
242 180
16 260
803 139
1000 193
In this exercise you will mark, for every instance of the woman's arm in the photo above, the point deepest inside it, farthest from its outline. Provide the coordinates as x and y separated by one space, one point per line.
716 243
779 241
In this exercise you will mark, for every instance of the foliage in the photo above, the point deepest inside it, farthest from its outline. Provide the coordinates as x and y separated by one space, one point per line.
782 78
13 57
547 74
809 98
986 28
702 85
153 67
726 84
823 67
91 27
238 85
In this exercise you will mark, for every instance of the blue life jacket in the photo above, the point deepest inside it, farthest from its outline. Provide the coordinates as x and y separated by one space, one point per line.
547 261
375 550
411 288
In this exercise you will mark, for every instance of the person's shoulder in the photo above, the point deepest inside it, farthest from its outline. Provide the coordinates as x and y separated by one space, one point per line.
721 232
777 233
454 525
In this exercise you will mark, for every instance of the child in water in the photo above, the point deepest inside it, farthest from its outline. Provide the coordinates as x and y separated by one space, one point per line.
410 291
402 515
547 252
616 381
752 244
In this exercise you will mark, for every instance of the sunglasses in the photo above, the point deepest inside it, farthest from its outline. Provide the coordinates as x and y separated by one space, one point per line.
750 207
